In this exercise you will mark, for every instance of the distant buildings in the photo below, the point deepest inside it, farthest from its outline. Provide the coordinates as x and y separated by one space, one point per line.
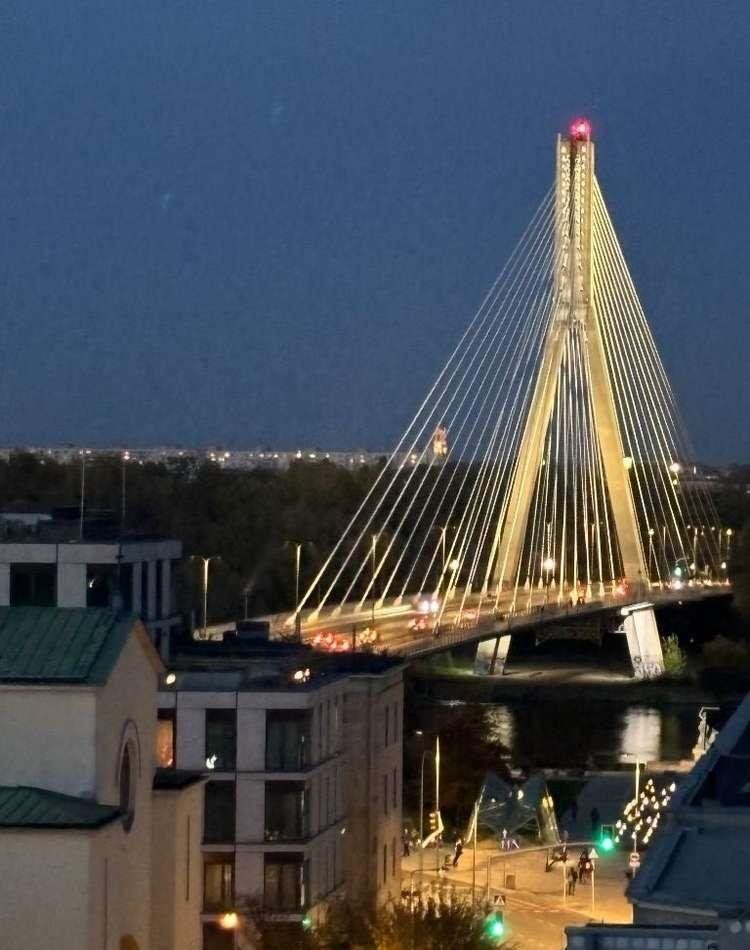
693 890
303 756
435 452
98 849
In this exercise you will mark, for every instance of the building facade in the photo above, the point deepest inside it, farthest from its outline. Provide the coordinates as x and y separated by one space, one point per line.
96 851
303 768
136 575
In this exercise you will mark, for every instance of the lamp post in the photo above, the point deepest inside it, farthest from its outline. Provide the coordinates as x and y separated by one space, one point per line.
123 488
373 551
548 565
205 561
651 558
425 753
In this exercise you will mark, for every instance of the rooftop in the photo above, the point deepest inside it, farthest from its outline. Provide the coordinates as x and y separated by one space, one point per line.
701 858
24 806
60 645
236 663
169 780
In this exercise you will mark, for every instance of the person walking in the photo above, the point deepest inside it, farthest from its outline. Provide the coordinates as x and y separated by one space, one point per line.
572 878
458 850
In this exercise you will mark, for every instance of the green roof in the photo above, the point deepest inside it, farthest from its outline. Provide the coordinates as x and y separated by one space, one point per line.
23 806
59 644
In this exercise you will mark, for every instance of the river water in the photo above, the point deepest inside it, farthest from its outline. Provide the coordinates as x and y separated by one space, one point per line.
570 732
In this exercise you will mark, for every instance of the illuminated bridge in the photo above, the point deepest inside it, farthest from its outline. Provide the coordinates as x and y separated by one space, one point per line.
564 484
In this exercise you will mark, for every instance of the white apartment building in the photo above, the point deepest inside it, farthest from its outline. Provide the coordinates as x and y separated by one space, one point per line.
137 574
303 759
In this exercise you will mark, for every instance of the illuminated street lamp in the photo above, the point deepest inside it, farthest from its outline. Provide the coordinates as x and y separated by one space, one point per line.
548 566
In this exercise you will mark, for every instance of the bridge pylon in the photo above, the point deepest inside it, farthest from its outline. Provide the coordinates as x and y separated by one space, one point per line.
575 324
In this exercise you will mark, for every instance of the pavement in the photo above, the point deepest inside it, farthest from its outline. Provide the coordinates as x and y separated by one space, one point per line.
536 909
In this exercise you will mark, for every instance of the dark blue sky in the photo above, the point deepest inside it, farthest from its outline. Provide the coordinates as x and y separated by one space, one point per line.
267 223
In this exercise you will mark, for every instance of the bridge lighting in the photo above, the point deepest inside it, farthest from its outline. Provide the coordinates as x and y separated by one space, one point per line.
454 564
580 129
627 462
549 564
675 468
229 921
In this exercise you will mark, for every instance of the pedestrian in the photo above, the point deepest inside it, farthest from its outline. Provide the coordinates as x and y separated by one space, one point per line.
407 845
582 865
458 850
504 843
572 880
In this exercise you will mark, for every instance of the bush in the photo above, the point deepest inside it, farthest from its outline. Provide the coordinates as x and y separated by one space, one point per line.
675 661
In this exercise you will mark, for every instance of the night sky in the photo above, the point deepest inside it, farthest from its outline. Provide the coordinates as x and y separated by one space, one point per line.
251 223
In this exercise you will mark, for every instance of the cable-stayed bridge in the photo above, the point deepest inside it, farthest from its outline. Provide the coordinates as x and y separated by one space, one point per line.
562 485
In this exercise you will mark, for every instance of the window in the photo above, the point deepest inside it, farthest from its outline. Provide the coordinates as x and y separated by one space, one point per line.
385 863
395 787
218 882
284 883
221 739
395 722
127 788
287 811
215 938
32 585
144 591
100 584
385 793
219 813
387 723
328 800
393 858
287 740
165 739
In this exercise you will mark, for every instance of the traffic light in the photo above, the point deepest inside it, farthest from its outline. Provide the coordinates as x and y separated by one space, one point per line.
433 821
607 838
494 925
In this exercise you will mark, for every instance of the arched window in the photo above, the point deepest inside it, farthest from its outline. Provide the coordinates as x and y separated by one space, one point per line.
127 788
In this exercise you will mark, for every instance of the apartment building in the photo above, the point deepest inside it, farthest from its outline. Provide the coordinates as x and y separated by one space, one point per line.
45 562
303 755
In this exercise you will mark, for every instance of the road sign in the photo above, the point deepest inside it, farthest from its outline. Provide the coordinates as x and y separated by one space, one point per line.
635 860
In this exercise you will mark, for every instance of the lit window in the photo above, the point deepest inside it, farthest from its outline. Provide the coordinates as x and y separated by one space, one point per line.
165 739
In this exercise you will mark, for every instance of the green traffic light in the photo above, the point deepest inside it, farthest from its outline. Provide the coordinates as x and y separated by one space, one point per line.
607 844
496 928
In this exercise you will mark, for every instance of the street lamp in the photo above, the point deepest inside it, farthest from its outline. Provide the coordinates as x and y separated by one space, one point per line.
548 565
436 758
372 585
205 561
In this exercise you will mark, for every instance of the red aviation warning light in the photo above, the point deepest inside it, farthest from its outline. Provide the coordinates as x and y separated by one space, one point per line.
580 129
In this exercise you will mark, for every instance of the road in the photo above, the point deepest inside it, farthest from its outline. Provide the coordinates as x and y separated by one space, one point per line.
472 619
536 913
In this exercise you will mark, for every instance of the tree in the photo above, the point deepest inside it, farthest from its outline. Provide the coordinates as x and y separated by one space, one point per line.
432 925
675 661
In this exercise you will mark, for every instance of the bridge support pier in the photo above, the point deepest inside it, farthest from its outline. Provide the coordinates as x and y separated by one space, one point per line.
644 644
491 656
